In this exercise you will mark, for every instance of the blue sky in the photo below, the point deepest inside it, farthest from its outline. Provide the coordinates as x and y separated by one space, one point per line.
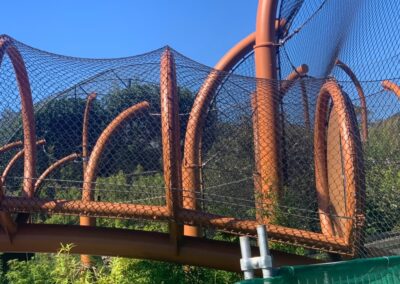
201 29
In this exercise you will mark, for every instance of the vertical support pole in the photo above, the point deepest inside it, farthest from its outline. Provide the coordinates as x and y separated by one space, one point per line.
84 220
266 106
170 131
246 257
264 251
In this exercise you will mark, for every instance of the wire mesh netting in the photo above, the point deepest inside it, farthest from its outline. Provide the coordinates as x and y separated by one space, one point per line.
160 137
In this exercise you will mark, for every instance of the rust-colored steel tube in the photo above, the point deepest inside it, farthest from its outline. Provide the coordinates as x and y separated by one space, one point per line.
54 167
23 218
170 132
350 158
197 117
363 102
28 118
275 232
85 208
14 159
91 171
187 216
391 86
85 154
289 81
6 221
134 244
85 130
10 146
267 107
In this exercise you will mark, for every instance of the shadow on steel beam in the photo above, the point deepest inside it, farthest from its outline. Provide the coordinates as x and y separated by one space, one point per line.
134 244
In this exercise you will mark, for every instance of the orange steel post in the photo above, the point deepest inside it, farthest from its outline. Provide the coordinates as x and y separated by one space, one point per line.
170 130
10 146
198 114
266 106
135 244
28 119
391 86
91 170
363 102
85 130
85 259
14 159
352 165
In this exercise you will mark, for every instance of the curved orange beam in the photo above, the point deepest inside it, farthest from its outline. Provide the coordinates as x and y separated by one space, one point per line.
351 163
197 117
23 217
391 86
91 171
363 102
54 167
14 159
28 118
296 74
10 146
198 114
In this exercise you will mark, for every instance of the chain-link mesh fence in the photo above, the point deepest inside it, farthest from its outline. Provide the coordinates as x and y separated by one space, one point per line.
160 137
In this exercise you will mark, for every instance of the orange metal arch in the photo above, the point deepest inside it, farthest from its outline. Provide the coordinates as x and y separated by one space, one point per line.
289 81
14 159
391 86
191 171
91 171
10 146
363 102
54 167
28 119
266 112
194 129
350 158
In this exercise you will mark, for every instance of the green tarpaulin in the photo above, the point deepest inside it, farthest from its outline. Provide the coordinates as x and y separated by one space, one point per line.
372 270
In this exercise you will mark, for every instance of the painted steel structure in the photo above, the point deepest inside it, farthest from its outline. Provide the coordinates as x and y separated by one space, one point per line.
182 171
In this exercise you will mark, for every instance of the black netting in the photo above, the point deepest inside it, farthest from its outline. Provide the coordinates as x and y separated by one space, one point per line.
322 171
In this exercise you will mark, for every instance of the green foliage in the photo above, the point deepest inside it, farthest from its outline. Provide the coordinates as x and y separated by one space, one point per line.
64 268
383 176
